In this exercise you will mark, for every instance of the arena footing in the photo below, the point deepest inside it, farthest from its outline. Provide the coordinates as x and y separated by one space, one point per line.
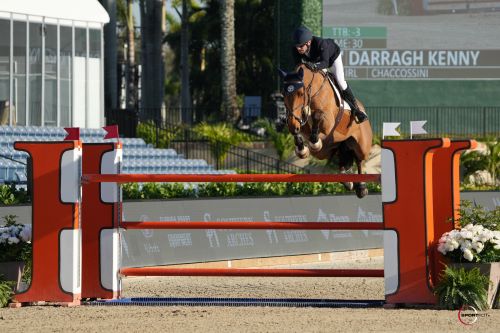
239 302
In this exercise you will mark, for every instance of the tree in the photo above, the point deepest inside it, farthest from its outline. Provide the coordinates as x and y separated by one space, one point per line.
228 61
254 52
179 40
131 82
152 13
191 10
292 14
110 55
185 89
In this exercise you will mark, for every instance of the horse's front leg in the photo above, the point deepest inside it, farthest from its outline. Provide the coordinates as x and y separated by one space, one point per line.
301 150
314 139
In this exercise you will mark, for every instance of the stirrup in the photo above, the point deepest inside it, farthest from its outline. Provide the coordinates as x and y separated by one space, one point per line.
360 116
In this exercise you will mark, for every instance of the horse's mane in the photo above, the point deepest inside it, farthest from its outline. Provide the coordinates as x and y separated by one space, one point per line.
322 76
305 67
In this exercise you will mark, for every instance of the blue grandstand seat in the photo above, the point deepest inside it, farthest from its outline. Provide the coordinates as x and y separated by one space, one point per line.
5 130
138 157
3 170
21 176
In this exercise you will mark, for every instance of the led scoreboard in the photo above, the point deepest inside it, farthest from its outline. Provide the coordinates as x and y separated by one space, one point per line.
366 57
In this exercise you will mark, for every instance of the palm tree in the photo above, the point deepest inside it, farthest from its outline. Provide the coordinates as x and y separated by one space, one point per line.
152 14
254 62
131 83
110 55
228 61
189 8
185 89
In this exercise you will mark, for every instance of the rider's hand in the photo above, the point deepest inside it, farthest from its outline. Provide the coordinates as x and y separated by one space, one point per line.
312 66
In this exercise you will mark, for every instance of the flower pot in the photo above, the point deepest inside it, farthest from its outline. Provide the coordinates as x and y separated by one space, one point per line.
491 270
12 271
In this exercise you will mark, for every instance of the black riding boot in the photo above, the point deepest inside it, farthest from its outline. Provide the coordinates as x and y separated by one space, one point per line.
351 100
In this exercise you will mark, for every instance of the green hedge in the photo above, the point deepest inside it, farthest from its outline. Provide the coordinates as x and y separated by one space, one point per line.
133 191
209 190
9 195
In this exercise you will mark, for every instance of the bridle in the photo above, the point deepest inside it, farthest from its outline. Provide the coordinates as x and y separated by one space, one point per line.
308 97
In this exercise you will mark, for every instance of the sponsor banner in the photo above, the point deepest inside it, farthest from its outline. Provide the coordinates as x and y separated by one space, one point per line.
160 247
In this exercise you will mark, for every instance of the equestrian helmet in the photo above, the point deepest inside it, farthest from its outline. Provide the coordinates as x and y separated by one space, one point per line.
301 35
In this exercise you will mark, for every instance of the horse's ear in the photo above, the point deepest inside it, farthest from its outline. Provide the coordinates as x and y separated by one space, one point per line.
301 73
282 73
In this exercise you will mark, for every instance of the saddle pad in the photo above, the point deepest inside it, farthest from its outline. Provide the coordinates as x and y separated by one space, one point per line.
344 123
337 93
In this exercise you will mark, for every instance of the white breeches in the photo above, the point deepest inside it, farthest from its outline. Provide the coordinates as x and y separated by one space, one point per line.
337 70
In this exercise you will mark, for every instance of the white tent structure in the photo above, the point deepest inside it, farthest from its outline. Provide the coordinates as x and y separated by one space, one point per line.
51 63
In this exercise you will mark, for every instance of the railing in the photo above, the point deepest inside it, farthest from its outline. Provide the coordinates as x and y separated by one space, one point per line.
126 119
450 121
453 122
193 146
242 159
460 6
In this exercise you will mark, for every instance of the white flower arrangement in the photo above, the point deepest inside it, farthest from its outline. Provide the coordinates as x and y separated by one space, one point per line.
15 240
472 243
15 233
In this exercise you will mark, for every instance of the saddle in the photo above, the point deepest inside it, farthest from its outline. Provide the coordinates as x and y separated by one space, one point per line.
344 119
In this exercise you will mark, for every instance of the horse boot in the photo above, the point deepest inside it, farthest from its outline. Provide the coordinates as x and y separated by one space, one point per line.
351 100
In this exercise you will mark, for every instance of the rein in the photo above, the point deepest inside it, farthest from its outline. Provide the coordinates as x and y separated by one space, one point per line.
306 107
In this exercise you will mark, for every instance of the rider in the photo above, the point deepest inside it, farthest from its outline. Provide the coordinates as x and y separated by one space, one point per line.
321 53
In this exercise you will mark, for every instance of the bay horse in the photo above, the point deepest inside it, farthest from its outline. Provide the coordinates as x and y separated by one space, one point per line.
316 113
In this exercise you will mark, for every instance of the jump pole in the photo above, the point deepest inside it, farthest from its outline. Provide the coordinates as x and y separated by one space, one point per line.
408 213
407 206
165 271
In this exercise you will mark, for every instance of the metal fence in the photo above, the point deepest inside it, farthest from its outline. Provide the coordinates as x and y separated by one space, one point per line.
165 130
238 158
160 132
453 122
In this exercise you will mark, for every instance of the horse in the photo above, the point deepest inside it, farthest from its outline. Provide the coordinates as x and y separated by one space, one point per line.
316 113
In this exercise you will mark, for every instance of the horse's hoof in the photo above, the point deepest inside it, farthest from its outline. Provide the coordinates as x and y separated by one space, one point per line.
304 153
361 190
316 146
349 186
